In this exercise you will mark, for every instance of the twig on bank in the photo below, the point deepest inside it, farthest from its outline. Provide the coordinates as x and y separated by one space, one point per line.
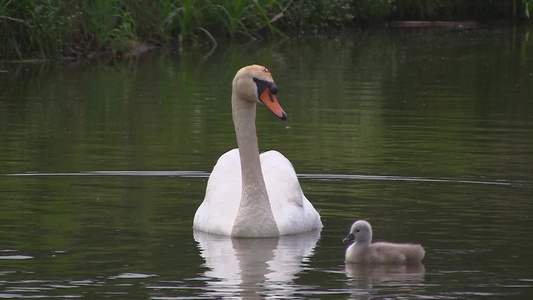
278 16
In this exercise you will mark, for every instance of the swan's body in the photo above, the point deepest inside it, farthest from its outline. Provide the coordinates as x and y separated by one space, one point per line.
365 252
252 195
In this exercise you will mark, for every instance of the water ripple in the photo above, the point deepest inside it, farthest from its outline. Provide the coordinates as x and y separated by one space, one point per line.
202 174
15 257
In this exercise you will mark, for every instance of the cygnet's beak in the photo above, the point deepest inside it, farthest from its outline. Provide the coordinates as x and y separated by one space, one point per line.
349 238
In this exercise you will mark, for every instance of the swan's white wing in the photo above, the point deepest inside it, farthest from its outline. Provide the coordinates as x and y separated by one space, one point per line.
222 197
292 211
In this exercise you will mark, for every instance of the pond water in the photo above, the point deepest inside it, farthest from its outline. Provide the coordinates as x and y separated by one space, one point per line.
426 133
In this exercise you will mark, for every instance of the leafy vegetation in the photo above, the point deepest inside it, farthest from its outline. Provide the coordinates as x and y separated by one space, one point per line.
62 28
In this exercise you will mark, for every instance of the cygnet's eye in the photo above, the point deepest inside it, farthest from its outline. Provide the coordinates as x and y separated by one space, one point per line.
358 230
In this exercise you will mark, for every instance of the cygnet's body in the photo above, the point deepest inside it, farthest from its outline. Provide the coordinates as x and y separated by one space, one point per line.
364 251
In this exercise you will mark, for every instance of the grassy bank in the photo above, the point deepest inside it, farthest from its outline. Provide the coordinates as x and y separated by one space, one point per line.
70 28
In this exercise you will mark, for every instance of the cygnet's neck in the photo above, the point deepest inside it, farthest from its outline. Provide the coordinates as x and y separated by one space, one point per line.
362 244
254 218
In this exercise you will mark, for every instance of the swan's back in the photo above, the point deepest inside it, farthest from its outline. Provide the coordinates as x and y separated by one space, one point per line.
292 211
219 209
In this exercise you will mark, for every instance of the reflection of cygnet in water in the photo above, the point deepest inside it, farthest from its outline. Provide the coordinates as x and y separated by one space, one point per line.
254 268
363 251
367 279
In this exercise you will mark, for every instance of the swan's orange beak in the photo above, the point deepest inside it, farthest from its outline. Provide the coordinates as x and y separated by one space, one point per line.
270 100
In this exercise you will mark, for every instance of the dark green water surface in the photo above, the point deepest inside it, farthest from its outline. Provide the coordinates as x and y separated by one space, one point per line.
426 133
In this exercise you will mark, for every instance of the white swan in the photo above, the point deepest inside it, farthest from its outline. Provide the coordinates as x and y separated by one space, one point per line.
363 251
266 201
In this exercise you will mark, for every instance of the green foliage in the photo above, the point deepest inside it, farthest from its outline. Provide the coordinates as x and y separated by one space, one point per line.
526 9
372 10
316 15
56 28
111 24
31 26
418 9
460 9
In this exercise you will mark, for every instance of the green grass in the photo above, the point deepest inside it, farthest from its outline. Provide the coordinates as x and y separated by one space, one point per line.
59 28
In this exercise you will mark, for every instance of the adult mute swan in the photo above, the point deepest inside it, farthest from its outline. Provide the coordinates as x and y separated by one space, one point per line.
363 251
250 195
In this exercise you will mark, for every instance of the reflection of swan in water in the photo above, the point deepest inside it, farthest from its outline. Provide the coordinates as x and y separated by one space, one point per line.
254 268
367 279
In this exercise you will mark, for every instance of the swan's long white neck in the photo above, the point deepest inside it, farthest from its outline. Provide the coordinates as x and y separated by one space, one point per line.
254 218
